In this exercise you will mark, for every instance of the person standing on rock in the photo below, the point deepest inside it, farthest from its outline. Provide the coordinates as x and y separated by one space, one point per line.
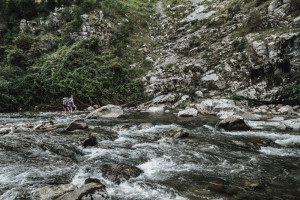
66 104
71 104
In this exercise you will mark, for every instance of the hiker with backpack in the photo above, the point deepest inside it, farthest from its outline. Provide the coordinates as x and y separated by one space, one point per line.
66 104
71 104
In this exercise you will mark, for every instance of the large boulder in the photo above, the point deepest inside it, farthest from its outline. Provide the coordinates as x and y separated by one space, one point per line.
293 124
213 106
90 191
52 191
159 109
188 112
169 98
108 111
145 126
120 172
224 108
78 124
286 110
234 123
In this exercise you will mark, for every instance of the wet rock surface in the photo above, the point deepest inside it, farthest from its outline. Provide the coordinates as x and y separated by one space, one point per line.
109 111
91 141
52 192
90 191
118 173
176 133
234 123
78 124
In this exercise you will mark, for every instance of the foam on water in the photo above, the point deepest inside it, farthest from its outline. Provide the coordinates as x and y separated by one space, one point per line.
160 168
142 190
279 138
280 152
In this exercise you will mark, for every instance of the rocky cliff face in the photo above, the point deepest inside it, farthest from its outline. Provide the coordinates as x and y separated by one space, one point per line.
93 25
225 49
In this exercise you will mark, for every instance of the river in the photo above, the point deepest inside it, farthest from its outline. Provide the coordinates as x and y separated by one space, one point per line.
209 164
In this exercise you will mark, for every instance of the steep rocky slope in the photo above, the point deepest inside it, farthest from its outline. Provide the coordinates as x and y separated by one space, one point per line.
230 49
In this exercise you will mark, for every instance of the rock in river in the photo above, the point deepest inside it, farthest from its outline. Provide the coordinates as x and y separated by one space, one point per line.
91 141
188 112
90 191
77 124
109 111
175 133
234 123
120 172
52 191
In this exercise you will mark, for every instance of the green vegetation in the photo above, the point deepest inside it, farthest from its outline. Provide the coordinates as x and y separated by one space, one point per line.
295 7
293 93
41 69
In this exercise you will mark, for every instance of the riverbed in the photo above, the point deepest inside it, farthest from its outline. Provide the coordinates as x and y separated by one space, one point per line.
209 164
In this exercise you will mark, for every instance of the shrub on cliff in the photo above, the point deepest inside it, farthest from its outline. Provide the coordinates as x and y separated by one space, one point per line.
23 41
17 57
294 7
293 95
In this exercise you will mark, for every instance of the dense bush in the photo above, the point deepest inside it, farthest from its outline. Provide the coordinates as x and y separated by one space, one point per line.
23 41
254 22
235 7
259 2
81 71
293 94
43 44
295 7
17 57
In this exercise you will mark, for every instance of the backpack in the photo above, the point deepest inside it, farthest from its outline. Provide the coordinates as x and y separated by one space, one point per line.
65 101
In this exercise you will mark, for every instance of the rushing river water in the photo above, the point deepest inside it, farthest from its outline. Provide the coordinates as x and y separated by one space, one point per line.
209 164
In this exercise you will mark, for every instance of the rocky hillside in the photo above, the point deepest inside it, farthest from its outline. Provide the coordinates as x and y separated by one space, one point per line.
238 49
123 51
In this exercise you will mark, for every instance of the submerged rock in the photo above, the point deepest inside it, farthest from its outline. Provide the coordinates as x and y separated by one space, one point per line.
40 126
68 151
260 142
109 111
245 183
91 141
145 126
121 172
176 133
217 186
78 124
234 123
121 127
